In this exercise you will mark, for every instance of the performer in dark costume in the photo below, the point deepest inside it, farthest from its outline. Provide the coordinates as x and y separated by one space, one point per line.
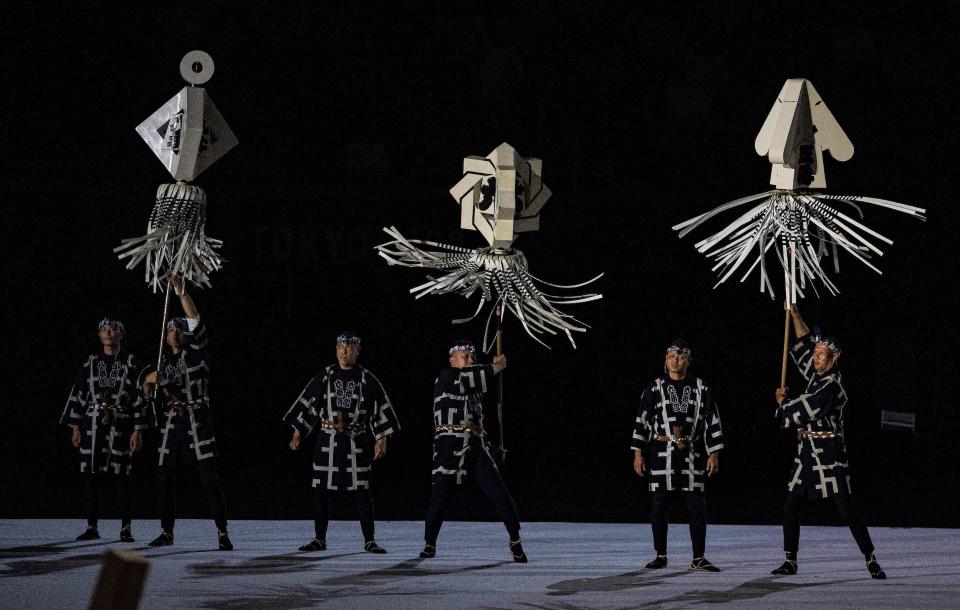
460 446
355 418
182 406
677 437
106 412
821 466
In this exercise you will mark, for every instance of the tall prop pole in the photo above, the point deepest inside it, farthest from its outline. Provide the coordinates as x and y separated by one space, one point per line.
786 341
790 289
163 327
503 447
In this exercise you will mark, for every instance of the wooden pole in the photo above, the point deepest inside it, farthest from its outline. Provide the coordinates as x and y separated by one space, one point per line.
786 342
499 314
786 320
163 327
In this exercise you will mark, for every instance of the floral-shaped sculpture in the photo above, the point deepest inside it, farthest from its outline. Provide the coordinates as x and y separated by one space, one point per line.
500 196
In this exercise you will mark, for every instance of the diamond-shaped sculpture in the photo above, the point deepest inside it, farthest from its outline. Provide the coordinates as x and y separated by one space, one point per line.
188 133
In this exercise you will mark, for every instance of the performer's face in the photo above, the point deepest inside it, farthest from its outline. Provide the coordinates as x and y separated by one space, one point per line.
823 358
677 363
461 358
347 354
175 338
109 335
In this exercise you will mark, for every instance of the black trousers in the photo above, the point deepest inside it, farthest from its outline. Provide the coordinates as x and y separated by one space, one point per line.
848 512
321 510
480 467
209 480
696 515
93 487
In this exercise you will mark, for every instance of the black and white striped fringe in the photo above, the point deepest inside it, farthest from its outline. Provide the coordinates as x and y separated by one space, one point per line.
801 228
175 242
501 277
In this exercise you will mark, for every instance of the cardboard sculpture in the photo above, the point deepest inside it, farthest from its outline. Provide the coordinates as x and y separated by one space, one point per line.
187 134
500 195
800 225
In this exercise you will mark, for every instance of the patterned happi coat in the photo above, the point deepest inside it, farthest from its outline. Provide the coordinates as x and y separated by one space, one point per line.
664 405
185 379
457 401
342 460
821 468
107 404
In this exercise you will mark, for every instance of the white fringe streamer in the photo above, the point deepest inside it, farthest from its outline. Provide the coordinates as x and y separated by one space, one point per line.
803 226
498 275
175 241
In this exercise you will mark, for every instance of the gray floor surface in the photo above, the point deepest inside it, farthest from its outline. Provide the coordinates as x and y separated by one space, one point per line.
572 565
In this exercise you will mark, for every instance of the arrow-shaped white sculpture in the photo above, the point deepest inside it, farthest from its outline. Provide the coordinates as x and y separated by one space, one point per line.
800 225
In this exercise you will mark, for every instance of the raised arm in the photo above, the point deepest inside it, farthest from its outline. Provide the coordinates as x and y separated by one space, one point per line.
801 351
800 328
189 308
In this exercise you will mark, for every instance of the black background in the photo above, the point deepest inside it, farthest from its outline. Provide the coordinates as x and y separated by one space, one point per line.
352 116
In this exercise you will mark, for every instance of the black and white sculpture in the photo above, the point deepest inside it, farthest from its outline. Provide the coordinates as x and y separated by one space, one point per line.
500 196
801 225
187 134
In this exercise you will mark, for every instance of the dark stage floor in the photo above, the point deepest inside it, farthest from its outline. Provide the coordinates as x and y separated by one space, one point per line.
572 565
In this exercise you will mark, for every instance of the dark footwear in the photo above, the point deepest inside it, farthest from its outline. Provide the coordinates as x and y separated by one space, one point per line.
373 547
875 570
429 552
658 563
126 535
516 549
224 541
164 539
91 533
703 565
315 545
788 568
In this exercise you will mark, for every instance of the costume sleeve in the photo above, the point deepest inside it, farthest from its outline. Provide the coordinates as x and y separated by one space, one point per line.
74 410
448 382
713 432
476 378
473 379
303 415
196 337
800 411
802 354
642 426
383 420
